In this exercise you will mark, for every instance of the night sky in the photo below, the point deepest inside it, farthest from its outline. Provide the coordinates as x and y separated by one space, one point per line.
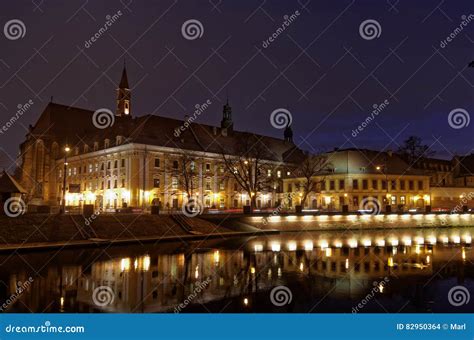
320 68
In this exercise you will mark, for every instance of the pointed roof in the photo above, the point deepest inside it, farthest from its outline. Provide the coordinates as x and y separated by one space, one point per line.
9 185
124 80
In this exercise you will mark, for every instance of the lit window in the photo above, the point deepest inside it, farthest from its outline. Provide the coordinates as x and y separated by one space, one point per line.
90 167
269 173
174 183
208 167
279 174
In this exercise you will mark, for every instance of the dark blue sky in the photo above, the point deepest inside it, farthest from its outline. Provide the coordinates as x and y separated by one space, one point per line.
320 67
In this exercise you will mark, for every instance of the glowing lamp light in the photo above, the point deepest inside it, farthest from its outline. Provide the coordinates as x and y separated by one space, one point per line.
308 245
352 243
125 264
380 242
367 242
456 239
323 244
258 248
467 238
292 246
276 246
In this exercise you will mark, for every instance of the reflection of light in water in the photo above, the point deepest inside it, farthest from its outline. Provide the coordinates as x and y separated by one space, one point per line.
352 217
390 261
124 264
328 252
307 218
323 217
456 239
135 264
252 270
338 244
291 218
432 239
301 266
430 216
463 253
323 244
292 246
406 216
246 301
352 243
269 273
381 242
308 245
428 259
216 256
367 242
61 302
417 249
394 250
394 242
279 272
419 240
275 218
276 246
347 263
196 272
258 247
467 238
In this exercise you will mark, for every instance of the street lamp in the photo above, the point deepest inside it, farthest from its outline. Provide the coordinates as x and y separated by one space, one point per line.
384 172
63 203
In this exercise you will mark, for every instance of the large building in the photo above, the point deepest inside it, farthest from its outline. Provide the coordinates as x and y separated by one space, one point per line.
355 176
120 160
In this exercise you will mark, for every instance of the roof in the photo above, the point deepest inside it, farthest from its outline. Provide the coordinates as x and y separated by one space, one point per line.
466 165
9 185
74 126
363 161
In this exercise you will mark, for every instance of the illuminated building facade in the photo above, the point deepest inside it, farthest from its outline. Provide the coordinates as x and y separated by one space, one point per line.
123 161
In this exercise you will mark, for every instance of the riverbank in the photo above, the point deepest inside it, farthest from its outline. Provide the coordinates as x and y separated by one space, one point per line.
28 232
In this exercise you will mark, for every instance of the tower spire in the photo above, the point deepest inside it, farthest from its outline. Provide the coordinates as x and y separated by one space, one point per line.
226 122
123 95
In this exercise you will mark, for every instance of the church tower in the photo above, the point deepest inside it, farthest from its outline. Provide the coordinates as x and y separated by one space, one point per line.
288 134
123 96
226 122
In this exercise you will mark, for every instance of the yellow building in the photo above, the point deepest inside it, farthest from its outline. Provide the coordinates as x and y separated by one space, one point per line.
357 178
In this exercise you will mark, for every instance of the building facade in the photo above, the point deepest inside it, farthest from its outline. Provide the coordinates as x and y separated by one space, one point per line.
137 162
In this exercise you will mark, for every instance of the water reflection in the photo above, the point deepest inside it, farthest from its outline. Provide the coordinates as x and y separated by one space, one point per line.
327 272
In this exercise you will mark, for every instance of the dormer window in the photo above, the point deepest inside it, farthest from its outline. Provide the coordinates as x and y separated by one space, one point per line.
118 140
96 146
86 148
106 143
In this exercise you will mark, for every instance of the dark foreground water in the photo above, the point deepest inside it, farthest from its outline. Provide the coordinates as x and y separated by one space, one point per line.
429 270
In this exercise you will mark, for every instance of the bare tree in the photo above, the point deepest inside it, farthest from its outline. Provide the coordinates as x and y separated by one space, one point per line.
246 163
413 150
312 170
